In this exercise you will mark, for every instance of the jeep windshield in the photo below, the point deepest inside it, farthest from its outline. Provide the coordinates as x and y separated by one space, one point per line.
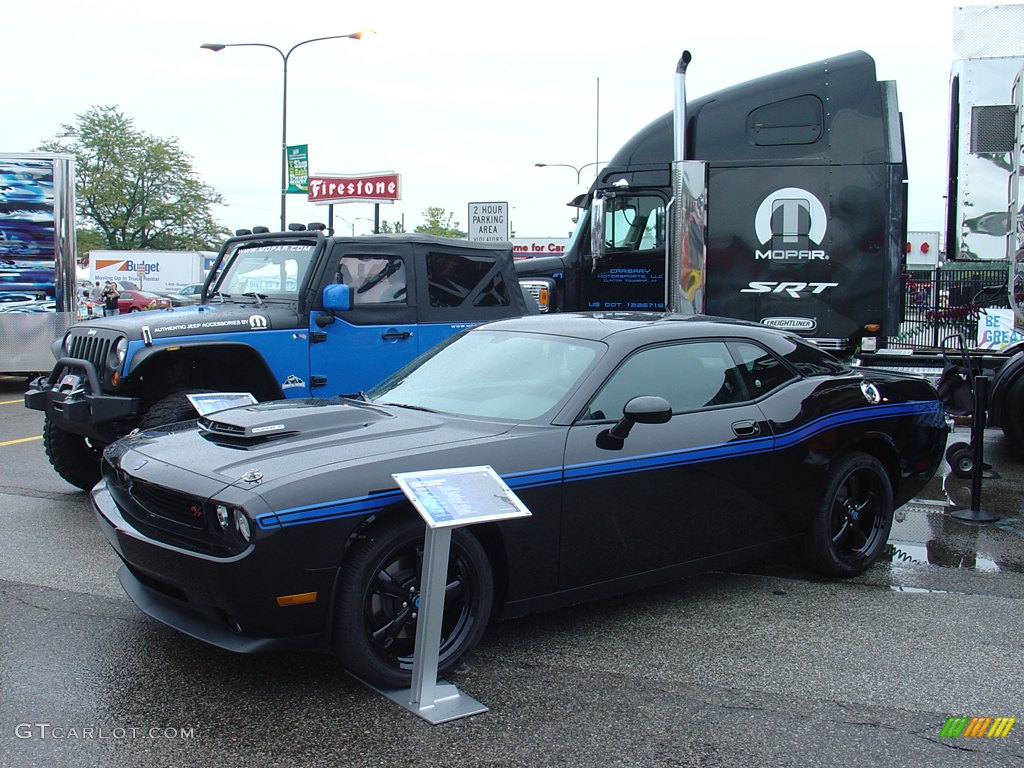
261 272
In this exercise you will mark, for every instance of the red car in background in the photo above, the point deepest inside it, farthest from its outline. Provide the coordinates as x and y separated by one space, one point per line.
136 301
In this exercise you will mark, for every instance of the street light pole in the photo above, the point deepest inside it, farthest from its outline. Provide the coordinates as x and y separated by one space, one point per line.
215 47
577 168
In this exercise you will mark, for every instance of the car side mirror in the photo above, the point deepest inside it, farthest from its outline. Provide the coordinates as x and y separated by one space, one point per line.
337 297
646 409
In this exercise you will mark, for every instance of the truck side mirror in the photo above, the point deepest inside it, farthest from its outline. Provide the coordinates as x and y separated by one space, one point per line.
646 409
337 297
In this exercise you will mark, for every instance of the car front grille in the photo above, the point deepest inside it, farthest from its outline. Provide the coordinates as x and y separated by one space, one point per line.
177 507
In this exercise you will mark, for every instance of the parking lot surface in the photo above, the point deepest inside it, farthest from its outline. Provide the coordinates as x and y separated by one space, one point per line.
765 666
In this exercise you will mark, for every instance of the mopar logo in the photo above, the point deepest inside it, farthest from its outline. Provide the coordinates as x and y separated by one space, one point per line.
257 322
791 323
791 289
788 221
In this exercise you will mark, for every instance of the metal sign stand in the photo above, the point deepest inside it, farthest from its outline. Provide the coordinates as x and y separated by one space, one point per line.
445 499
436 701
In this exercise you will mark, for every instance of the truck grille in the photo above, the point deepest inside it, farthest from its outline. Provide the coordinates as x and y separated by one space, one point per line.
95 349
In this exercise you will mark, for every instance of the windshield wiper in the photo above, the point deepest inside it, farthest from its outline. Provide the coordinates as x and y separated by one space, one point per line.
260 297
411 407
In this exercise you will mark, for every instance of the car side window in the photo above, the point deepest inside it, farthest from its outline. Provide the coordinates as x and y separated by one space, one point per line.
760 370
375 279
453 277
689 376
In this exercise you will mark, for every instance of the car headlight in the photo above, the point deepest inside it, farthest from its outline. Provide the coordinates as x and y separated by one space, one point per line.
121 350
66 346
223 517
242 525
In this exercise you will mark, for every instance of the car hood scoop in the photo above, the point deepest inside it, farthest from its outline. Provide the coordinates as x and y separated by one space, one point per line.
269 421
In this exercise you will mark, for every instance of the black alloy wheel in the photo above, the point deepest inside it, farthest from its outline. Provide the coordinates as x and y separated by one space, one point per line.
853 520
379 602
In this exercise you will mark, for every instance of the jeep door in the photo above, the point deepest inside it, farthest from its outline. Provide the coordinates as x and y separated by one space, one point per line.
377 336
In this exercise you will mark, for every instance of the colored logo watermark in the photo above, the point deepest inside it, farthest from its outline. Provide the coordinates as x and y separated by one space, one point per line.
977 727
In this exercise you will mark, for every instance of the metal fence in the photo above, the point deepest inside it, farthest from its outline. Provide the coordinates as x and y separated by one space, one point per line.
947 302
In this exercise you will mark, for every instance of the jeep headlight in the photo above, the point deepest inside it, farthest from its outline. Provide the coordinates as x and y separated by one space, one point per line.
121 350
66 345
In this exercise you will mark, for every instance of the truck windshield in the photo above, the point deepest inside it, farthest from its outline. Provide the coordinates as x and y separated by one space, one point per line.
270 271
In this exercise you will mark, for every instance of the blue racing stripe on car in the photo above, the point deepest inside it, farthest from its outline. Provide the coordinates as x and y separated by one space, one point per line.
366 505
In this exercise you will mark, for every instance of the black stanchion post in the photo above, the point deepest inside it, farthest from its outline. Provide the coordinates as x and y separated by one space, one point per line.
975 514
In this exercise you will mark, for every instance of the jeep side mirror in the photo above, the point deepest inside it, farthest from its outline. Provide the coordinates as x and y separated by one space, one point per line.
646 409
337 297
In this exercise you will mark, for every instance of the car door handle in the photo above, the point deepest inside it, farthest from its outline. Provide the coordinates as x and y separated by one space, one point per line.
746 428
396 335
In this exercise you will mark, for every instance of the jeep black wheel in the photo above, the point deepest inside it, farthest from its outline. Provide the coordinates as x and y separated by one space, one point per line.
853 519
378 601
170 409
73 456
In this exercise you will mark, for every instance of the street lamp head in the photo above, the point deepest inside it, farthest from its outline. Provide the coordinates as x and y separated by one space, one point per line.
213 46
540 165
362 34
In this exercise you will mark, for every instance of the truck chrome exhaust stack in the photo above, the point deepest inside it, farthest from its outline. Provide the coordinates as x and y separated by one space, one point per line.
687 249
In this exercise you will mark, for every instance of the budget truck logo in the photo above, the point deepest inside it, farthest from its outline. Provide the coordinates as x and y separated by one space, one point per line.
790 222
977 727
128 265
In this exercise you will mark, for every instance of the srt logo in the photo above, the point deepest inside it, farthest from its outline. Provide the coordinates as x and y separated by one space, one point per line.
788 221
792 289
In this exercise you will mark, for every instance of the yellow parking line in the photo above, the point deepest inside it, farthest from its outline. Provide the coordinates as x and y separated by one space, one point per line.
11 402
21 440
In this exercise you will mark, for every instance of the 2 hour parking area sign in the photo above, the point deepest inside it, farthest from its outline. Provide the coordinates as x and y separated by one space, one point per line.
488 222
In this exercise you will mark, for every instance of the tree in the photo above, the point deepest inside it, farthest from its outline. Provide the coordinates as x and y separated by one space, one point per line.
392 228
440 222
134 190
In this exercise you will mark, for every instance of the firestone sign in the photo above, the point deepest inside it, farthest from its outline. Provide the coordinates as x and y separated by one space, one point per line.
364 188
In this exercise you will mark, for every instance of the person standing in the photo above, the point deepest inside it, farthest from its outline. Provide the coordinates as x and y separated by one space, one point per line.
110 295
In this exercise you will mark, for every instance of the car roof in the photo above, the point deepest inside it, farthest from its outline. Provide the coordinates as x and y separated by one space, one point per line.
600 326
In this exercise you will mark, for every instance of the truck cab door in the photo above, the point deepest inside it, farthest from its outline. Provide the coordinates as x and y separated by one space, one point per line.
353 350
630 274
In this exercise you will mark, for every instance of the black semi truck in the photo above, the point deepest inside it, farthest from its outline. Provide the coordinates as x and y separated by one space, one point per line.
782 201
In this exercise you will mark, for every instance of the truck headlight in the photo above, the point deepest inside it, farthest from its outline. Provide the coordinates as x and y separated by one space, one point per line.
66 346
121 350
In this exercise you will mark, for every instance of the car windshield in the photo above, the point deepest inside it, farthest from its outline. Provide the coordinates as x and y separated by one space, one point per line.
492 374
266 270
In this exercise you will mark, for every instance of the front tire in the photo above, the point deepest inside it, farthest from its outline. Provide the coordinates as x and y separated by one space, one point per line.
378 600
73 457
853 518
1012 414
170 409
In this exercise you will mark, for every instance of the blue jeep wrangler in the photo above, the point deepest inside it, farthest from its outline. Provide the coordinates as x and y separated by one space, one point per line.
294 314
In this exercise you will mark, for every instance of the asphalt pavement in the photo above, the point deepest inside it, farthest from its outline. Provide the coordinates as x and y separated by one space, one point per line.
763 666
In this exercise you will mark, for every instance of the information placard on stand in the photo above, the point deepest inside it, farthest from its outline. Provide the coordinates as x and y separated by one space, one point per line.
445 499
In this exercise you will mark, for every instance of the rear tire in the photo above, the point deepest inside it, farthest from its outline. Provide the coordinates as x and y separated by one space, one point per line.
853 518
378 600
1011 417
73 457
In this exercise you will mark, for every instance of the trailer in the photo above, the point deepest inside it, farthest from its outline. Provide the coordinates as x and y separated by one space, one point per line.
38 296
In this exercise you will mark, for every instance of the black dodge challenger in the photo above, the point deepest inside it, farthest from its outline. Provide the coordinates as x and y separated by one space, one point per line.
646 446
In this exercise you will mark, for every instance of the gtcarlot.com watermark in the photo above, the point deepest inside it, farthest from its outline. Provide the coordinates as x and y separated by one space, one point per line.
51 731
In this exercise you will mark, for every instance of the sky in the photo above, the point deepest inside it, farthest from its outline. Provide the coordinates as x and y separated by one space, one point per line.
461 98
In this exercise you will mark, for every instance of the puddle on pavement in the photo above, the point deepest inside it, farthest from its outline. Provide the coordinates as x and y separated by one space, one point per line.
924 533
